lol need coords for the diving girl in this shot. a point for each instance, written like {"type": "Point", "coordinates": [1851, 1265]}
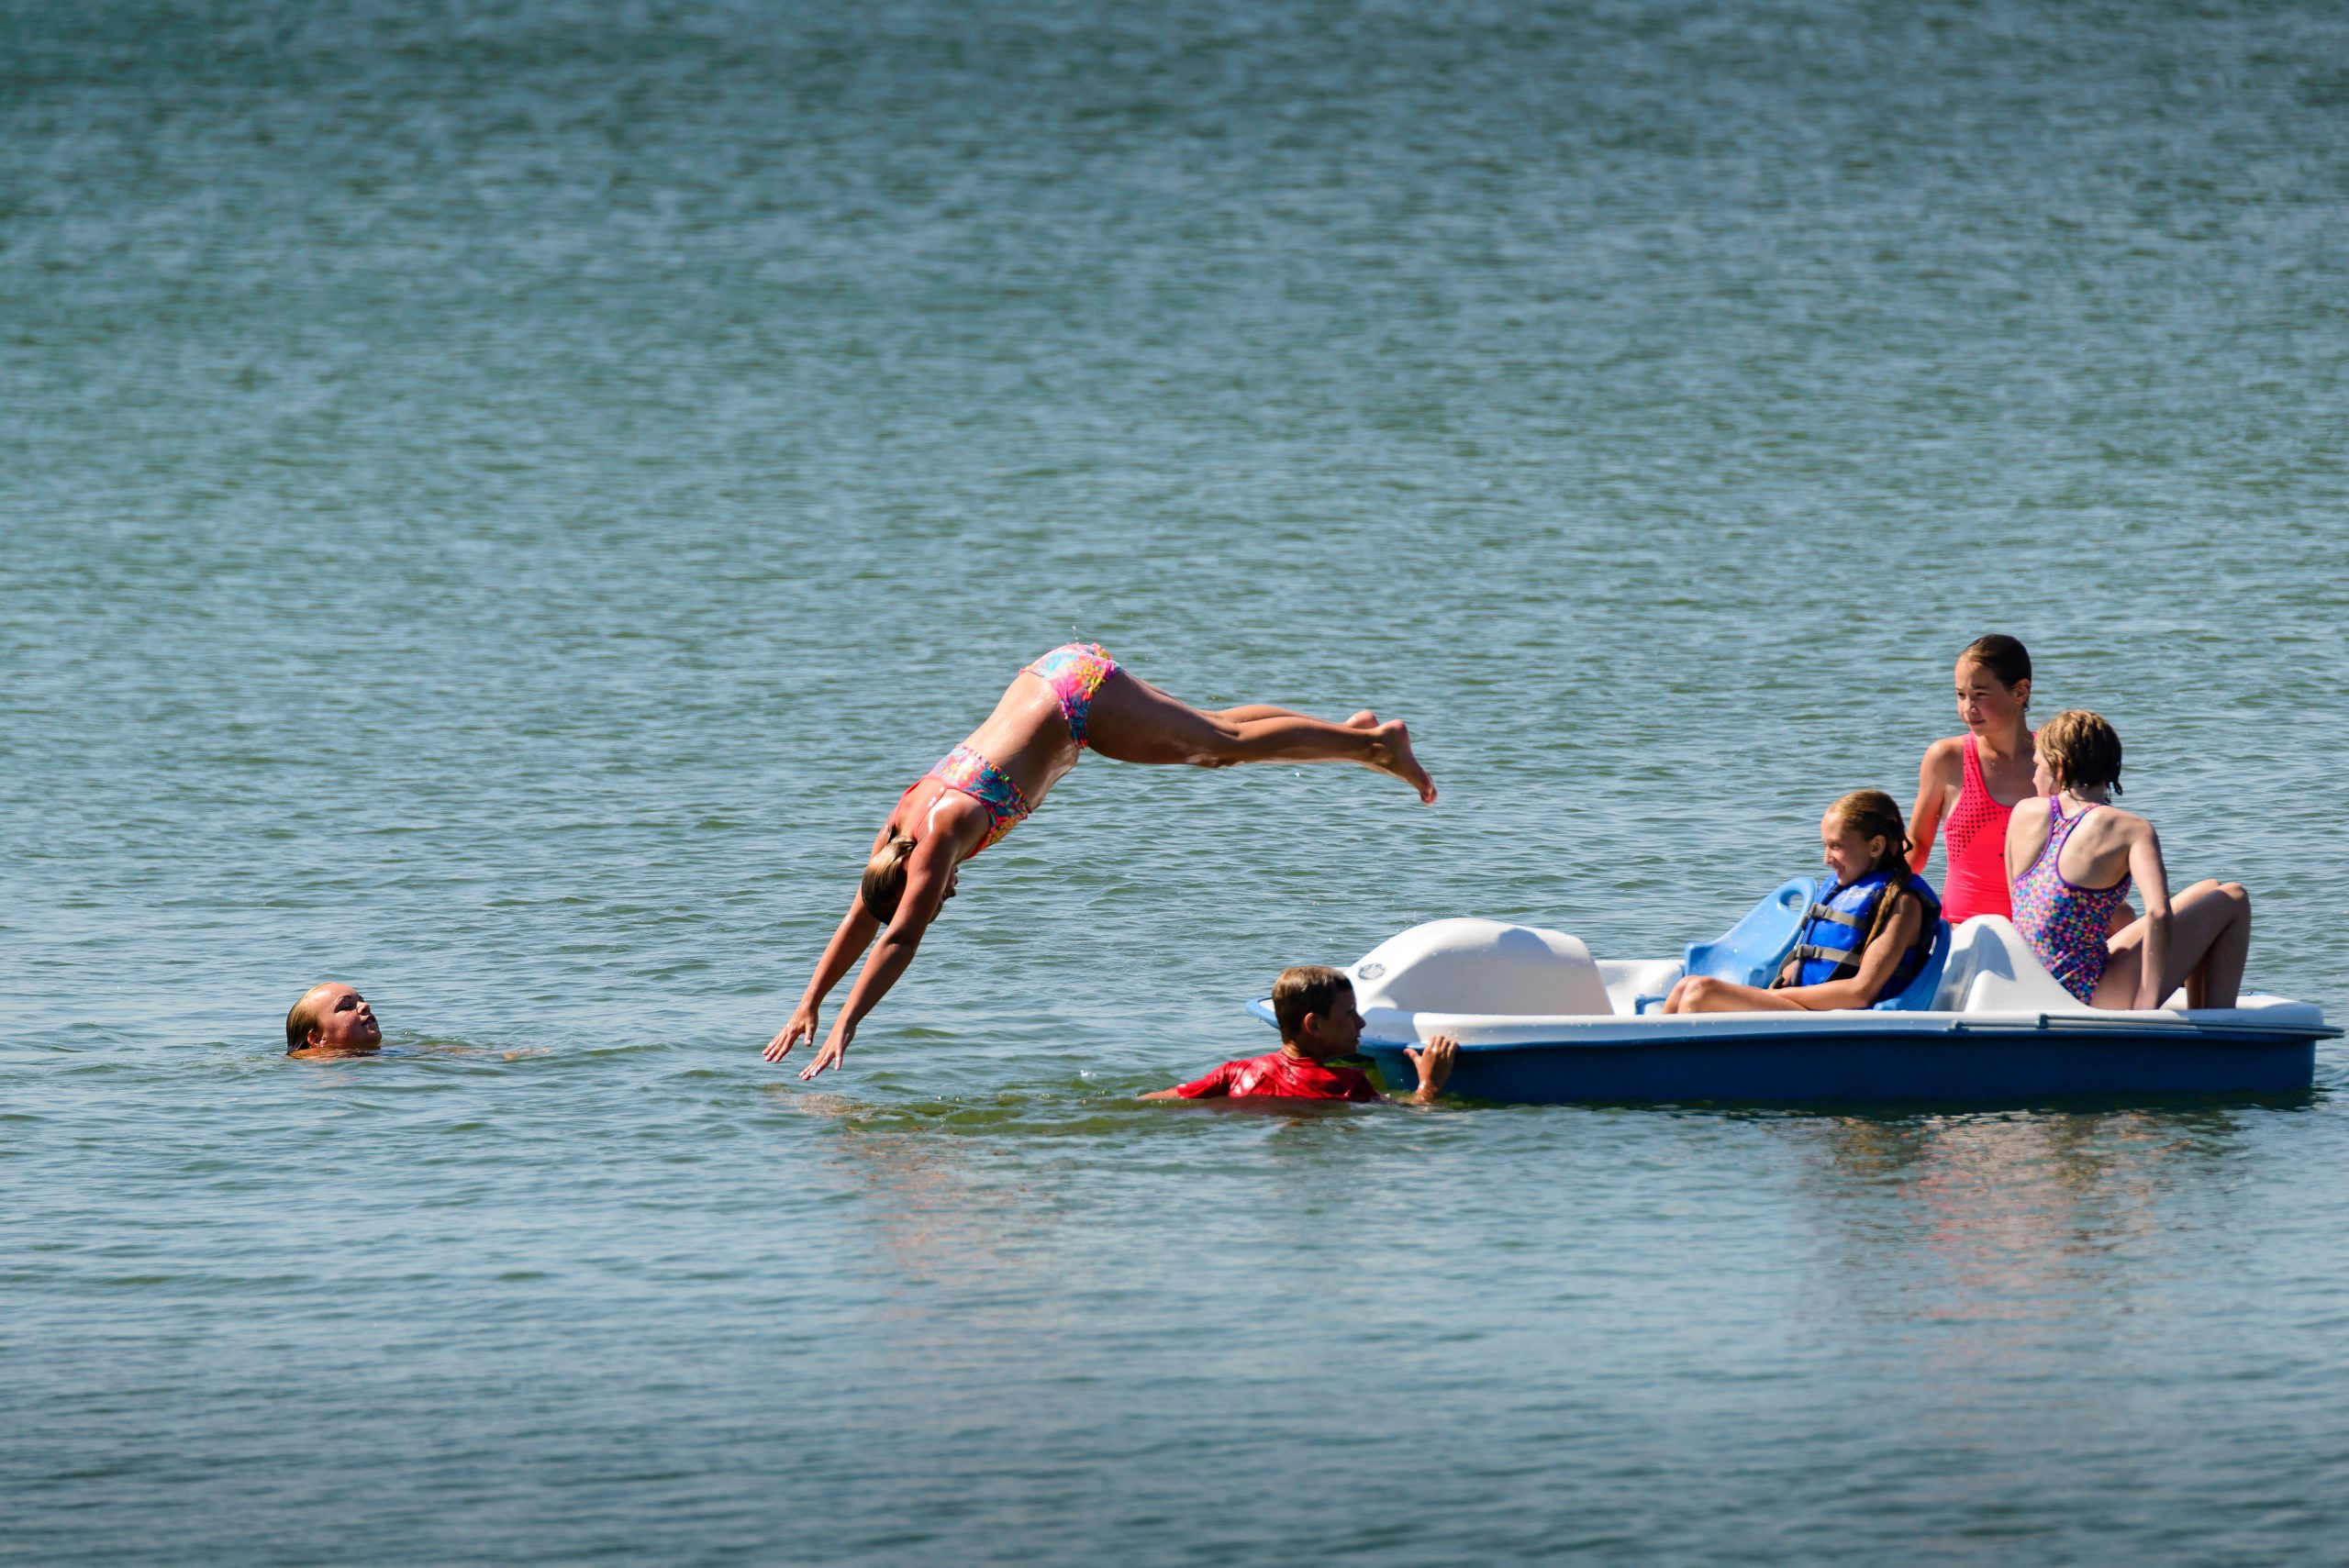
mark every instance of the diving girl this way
{"type": "Point", "coordinates": [1972, 782]}
{"type": "Point", "coordinates": [1864, 937]}
{"type": "Point", "coordinates": [2071, 857]}
{"type": "Point", "coordinates": [1072, 697]}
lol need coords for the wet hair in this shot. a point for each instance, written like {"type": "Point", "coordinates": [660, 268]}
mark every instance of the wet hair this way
{"type": "Point", "coordinates": [2081, 750]}
{"type": "Point", "coordinates": [2008, 661]}
{"type": "Point", "coordinates": [300, 1019]}
{"type": "Point", "coordinates": [884, 877]}
{"type": "Point", "coordinates": [1307, 990]}
{"type": "Point", "coordinates": [1871, 813]}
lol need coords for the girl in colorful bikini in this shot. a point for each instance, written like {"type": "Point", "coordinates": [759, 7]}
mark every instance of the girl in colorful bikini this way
{"type": "Point", "coordinates": [2071, 857]}
{"type": "Point", "coordinates": [1073, 698]}
{"type": "Point", "coordinates": [1973, 782]}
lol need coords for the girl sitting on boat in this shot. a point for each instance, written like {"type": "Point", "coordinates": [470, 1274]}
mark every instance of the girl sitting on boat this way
{"type": "Point", "coordinates": [1970, 783]}
{"type": "Point", "coordinates": [1864, 937]}
{"type": "Point", "coordinates": [2072, 856]}
{"type": "Point", "coordinates": [1072, 697]}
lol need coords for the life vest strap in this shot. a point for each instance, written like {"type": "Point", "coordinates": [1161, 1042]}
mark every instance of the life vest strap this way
{"type": "Point", "coordinates": [1833, 917]}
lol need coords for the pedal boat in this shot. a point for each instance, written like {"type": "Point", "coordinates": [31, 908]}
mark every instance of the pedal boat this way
{"type": "Point", "coordinates": [1541, 1022]}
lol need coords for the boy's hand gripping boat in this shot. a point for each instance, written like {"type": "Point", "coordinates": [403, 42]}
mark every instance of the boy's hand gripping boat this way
{"type": "Point", "coordinates": [1540, 1021]}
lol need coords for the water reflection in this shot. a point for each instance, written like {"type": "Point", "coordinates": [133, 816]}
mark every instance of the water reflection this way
{"type": "Point", "coordinates": [2029, 1220]}
{"type": "Point", "coordinates": [941, 1230]}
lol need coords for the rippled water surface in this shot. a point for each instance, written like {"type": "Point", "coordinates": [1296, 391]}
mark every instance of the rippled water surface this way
{"type": "Point", "coordinates": [498, 499]}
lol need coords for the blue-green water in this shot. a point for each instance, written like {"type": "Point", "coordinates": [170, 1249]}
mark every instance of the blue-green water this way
{"type": "Point", "coordinates": [498, 499]}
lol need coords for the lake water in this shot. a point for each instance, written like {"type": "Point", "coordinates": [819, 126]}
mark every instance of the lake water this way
{"type": "Point", "coordinates": [498, 499]}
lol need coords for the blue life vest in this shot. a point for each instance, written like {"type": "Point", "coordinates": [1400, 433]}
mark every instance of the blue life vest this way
{"type": "Point", "coordinates": [1836, 931]}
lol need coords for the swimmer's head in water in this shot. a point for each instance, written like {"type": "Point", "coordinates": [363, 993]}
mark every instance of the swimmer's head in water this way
{"type": "Point", "coordinates": [1864, 832]}
{"type": "Point", "coordinates": [884, 878]}
{"type": "Point", "coordinates": [332, 1019]}
{"type": "Point", "coordinates": [2078, 750]}
{"type": "Point", "coordinates": [1324, 994]}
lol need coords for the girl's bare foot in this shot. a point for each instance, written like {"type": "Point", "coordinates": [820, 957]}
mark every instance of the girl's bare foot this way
{"type": "Point", "coordinates": [1391, 753]}
{"type": "Point", "coordinates": [1365, 719]}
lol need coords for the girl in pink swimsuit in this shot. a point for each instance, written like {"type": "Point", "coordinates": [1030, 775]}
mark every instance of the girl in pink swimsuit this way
{"type": "Point", "coordinates": [1970, 783]}
{"type": "Point", "coordinates": [1074, 699]}
{"type": "Point", "coordinates": [2072, 855]}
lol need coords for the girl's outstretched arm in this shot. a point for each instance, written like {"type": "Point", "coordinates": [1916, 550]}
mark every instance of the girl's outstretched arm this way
{"type": "Point", "coordinates": [848, 943]}
{"type": "Point", "coordinates": [929, 876]}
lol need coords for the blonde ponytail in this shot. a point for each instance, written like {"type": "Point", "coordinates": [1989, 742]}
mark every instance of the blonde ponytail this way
{"type": "Point", "coordinates": [884, 877]}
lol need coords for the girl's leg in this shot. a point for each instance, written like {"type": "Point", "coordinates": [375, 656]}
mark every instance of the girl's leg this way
{"type": "Point", "coordinates": [2125, 957]}
{"type": "Point", "coordinates": [1365, 719]}
{"type": "Point", "coordinates": [1703, 994]}
{"type": "Point", "coordinates": [1133, 721]}
{"type": "Point", "coordinates": [2209, 937]}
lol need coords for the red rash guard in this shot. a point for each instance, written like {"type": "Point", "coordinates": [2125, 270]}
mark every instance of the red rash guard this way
{"type": "Point", "coordinates": [1281, 1076]}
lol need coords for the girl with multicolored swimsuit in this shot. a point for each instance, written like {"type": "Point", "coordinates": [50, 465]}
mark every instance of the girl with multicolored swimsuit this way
{"type": "Point", "coordinates": [2071, 856]}
{"type": "Point", "coordinates": [1074, 697]}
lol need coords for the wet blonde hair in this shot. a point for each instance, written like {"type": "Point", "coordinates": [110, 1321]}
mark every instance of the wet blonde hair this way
{"type": "Point", "coordinates": [884, 877]}
{"type": "Point", "coordinates": [1871, 813]}
{"type": "Point", "coordinates": [300, 1019]}
{"type": "Point", "coordinates": [2082, 750]}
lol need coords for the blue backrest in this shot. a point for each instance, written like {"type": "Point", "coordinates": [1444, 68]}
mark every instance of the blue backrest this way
{"type": "Point", "coordinates": [1916, 997]}
{"type": "Point", "coordinates": [1751, 952]}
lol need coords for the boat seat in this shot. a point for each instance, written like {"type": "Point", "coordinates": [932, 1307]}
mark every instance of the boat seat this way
{"type": "Point", "coordinates": [1639, 986]}
{"type": "Point", "coordinates": [1990, 968]}
{"type": "Point", "coordinates": [1923, 988]}
{"type": "Point", "coordinates": [1751, 952]}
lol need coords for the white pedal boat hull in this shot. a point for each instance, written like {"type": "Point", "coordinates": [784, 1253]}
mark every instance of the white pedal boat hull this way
{"type": "Point", "coordinates": [1540, 1021]}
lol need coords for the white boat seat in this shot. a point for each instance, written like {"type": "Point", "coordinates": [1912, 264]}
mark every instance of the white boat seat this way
{"type": "Point", "coordinates": [1992, 969]}
{"type": "Point", "coordinates": [1640, 984]}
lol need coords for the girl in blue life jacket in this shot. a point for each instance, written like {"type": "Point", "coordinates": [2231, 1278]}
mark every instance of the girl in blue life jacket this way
{"type": "Point", "coordinates": [1865, 938]}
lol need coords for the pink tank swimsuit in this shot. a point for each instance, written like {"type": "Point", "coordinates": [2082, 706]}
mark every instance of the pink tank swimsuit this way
{"type": "Point", "coordinates": [1976, 835]}
{"type": "Point", "coordinates": [2064, 922]}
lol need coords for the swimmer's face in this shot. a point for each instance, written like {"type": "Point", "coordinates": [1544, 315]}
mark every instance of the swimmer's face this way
{"type": "Point", "coordinates": [1848, 853]}
{"type": "Point", "coordinates": [1339, 1031]}
{"type": "Point", "coordinates": [346, 1025]}
{"type": "Point", "coordinates": [1984, 702]}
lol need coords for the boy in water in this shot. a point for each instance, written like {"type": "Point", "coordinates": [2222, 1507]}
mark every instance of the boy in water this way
{"type": "Point", "coordinates": [331, 1020]}
{"type": "Point", "coordinates": [1315, 1007]}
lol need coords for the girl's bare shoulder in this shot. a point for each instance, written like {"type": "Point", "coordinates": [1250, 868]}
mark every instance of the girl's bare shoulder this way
{"type": "Point", "coordinates": [1946, 760]}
